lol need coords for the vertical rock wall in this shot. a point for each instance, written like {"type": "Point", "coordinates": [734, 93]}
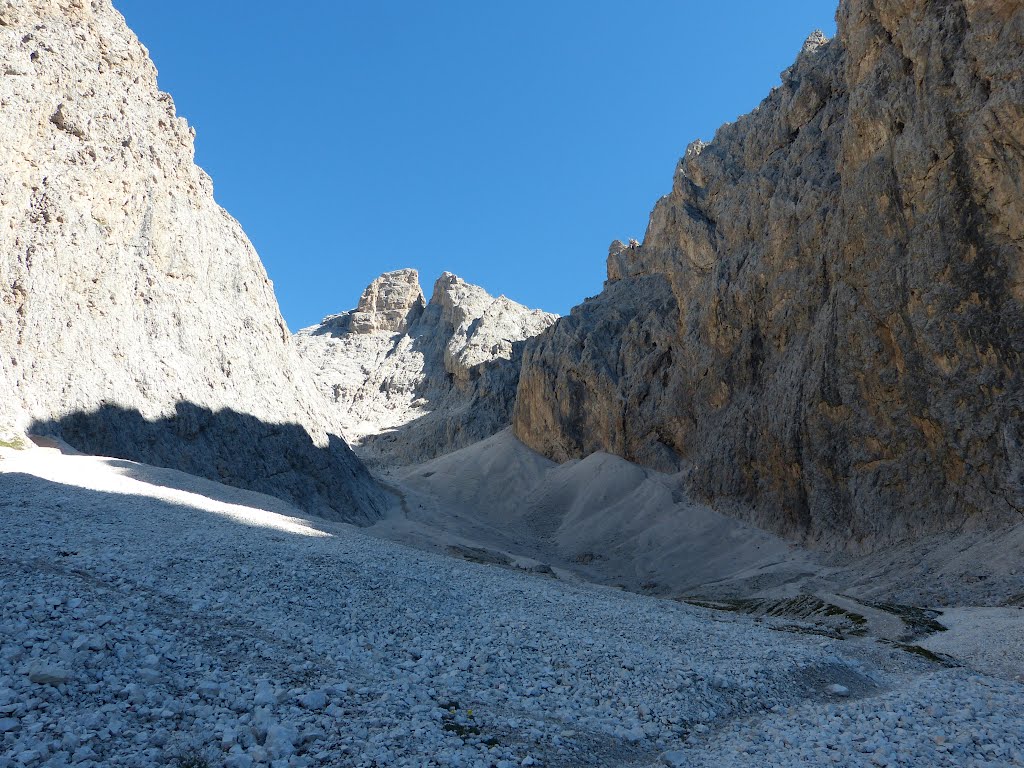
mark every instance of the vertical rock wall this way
{"type": "Point", "coordinates": [135, 317]}
{"type": "Point", "coordinates": [845, 362]}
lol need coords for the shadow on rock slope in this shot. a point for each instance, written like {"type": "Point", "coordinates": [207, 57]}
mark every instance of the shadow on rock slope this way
{"type": "Point", "coordinates": [233, 448]}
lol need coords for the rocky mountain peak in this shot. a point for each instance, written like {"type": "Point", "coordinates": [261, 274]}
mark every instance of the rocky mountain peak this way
{"type": "Point", "coordinates": [450, 366]}
{"type": "Point", "coordinates": [390, 304]}
{"type": "Point", "coordinates": [136, 319]}
{"type": "Point", "coordinates": [814, 41]}
{"type": "Point", "coordinates": [449, 287]}
{"type": "Point", "coordinates": [459, 302]}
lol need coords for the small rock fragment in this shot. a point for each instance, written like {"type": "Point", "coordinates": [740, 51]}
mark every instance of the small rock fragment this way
{"type": "Point", "coordinates": [313, 700]}
{"type": "Point", "coordinates": [49, 675]}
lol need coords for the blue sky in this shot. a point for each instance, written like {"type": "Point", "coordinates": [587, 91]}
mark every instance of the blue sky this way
{"type": "Point", "coordinates": [508, 143]}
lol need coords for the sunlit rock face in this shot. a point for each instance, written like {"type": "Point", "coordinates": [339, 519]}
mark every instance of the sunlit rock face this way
{"type": "Point", "coordinates": [408, 380]}
{"type": "Point", "coordinates": [126, 292]}
{"type": "Point", "coordinates": [823, 325]}
{"type": "Point", "coordinates": [390, 304]}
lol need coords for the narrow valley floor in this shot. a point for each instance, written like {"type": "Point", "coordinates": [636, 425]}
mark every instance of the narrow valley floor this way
{"type": "Point", "coordinates": [148, 616]}
{"type": "Point", "coordinates": [607, 521]}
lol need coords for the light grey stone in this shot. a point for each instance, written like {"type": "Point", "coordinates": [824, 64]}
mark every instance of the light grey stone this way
{"type": "Point", "coordinates": [136, 319]}
{"type": "Point", "coordinates": [49, 675]}
{"type": "Point", "coordinates": [407, 380]}
{"type": "Point", "coordinates": [313, 700]}
{"type": "Point", "coordinates": [280, 741]}
{"type": "Point", "coordinates": [390, 304]}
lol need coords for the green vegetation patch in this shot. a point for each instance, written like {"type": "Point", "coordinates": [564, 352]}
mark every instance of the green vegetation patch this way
{"type": "Point", "coordinates": [191, 760]}
{"type": "Point", "coordinates": [919, 622]}
{"type": "Point", "coordinates": [17, 443]}
{"type": "Point", "coordinates": [924, 653]}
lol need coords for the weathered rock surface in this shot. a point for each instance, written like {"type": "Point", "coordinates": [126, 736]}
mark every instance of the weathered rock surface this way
{"type": "Point", "coordinates": [842, 362]}
{"type": "Point", "coordinates": [135, 316]}
{"type": "Point", "coordinates": [390, 304]}
{"type": "Point", "coordinates": [408, 380]}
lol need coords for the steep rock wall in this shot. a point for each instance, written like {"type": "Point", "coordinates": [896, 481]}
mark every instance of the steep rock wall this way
{"type": "Point", "coordinates": [135, 317]}
{"type": "Point", "coordinates": [847, 264]}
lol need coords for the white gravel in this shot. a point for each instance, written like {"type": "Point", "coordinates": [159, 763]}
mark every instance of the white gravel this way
{"type": "Point", "coordinates": [991, 639]}
{"type": "Point", "coordinates": [141, 622]}
{"type": "Point", "coordinates": [943, 719]}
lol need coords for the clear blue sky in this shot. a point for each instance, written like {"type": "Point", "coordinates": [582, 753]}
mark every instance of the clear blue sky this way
{"type": "Point", "coordinates": [507, 142]}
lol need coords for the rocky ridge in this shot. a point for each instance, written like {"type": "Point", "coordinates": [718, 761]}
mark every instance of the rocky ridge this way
{"type": "Point", "coordinates": [405, 379]}
{"type": "Point", "coordinates": [824, 326]}
{"type": "Point", "coordinates": [136, 319]}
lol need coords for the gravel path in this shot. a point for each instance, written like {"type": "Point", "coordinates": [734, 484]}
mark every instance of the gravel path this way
{"type": "Point", "coordinates": [141, 623]}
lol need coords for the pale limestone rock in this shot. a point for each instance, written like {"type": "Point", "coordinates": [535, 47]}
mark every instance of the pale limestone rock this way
{"type": "Point", "coordinates": [135, 317]}
{"type": "Point", "coordinates": [842, 357]}
{"type": "Point", "coordinates": [389, 304]}
{"type": "Point", "coordinates": [411, 382]}
{"type": "Point", "coordinates": [12, 419]}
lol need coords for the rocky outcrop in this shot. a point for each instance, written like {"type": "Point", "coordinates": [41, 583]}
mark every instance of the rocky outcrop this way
{"type": "Point", "coordinates": [407, 381]}
{"type": "Point", "coordinates": [135, 316]}
{"type": "Point", "coordinates": [842, 361]}
{"type": "Point", "coordinates": [390, 304]}
{"type": "Point", "coordinates": [614, 348]}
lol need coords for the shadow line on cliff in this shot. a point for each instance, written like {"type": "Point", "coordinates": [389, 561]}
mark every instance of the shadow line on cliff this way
{"type": "Point", "coordinates": [231, 448]}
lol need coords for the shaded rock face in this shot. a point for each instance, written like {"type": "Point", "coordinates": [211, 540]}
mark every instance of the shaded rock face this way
{"type": "Point", "coordinates": [407, 381]}
{"type": "Point", "coordinates": [125, 289]}
{"type": "Point", "coordinates": [230, 447]}
{"type": "Point", "coordinates": [615, 348]}
{"type": "Point", "coordinates": [846, 262]}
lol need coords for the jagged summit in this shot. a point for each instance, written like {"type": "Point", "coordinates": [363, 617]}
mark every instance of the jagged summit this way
{"type": "Point", "coordinates": [391, 303]}
{"type": "Point", "coordinates": [407, 379]}
{"type": "Point", "coordinates": [814, 41]}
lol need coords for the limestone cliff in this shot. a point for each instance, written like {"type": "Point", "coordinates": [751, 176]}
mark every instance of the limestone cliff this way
{"type": "Point", "coordinates": [407, 380]}
{"type": "Point", "coordinates": [824, 325]}
{"type": "Point", "coordinates": [135, 317]}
